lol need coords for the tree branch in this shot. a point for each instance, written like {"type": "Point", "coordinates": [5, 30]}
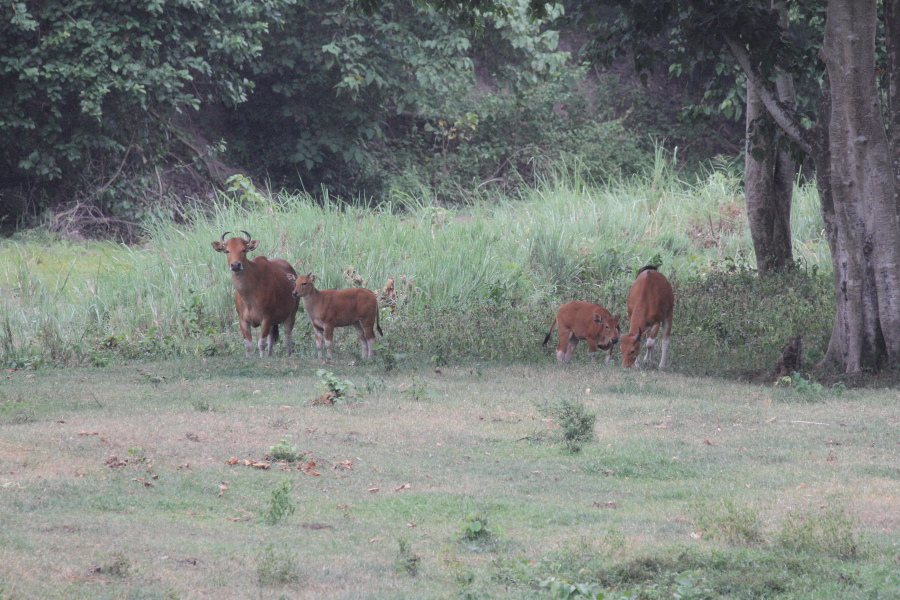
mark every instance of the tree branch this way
{"type": "Point", "coordinates": [782, 115]}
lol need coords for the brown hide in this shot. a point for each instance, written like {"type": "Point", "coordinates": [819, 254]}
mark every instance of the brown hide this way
{"type": "Point", "coordinates": [650, 305]}
{"type": "Point", "coordinates": [262, 294]}
{"type": "Point", "coordinates": [584, 321]}
{"type": "Point", "coordinates": [327, 309]}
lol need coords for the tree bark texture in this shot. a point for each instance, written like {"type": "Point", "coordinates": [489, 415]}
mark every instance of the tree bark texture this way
{"type": "Point", "coordinates": [861, 214]}
{"type": "Point", "coordinates": [768, 187]}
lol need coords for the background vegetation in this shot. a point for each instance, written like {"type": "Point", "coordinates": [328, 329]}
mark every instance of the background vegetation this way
{"type": "Point", "coordinates": [115, 113]}
{"type": "Point", "coordinates": [481, 283]}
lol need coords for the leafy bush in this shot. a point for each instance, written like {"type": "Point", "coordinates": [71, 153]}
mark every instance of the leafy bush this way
{"type": "Point", "coordinates": [283, 450]}
{"type": "Point", "coordinates": [576, 423]}
{"type": "Point", "coordinates": [280, 505]}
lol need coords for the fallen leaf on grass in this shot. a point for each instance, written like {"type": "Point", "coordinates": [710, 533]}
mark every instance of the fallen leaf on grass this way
{"type": "Point", "coordinates": [142, 481]}
{"type": "Point", "coordinates": [372, 490]}
{"type": "Point", "coordinates": [308, 468]}
{"type": "Point", "coordinates": [697, 534]}
{"type": "Point", "coordinates": [113, 462]}
{"type": "Point", "coordinates": [405, 486]}
{"type": "Point", "coordinates": [708, 443]}
{"type": "Point", "coordinates": [343, 464]}
{"type": "Point", "coordinates": [88, 433]}
{"type": "Point", "coordinates": [315, 526]}
{"type": "Point", "coordinates": [244, 516]}
{"type": "Point", "coordinates": [222, 487]}
{"type": "Point", "coordinates": [605, 505]}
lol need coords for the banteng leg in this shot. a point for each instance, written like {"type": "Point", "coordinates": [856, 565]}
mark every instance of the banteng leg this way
{"type": "Point", "coordinates": [651, 343]}
{"type": "Point", "coordinates": [664, 342]}
{"type": "Point", "coordinates": [319, 332]}
{"type": "Point", "coordinates": [369, 335]}
{"type": "Point", "coordinates": [363, 342]}
{"type": "Point", "coordinates": [571, 342]}
{"type": "Point", "coordinates": [266, 338]}
{"type": "Point", "coordinates": [329, 334]}
{"type": "Point", "coordinates": [248, 337]}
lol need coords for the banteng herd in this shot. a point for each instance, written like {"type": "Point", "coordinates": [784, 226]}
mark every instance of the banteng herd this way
{"type": "Point", "coordinates": [267, 294]}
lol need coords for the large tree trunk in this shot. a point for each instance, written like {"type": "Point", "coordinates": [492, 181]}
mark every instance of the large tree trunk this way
{"type": "Point", "coordinates": [769, 173]}
{"type": "Point", "coordinates": [860, 208]}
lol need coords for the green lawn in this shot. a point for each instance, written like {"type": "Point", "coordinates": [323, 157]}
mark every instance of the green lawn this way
{"type": "Point", "coordinates": [447, 483]}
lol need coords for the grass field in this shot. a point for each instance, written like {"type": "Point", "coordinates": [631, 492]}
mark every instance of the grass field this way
{"type": "Point", "coordinates": [454, 482]}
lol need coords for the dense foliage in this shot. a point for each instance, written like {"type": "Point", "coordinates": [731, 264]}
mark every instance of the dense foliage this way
{"type": "Point", "coordinates": [92, 89]}
{"type": "Point", "coordinates": [130, 109]}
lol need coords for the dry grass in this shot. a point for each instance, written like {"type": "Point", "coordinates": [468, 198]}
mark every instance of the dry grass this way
{"type": "Point", "coordinates": [176, 521]}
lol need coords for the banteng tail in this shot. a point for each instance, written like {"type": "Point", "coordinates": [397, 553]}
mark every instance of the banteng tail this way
{"type": "Point", "coordinates": [378, 320]}
{"type": "Point", "coordinates": [549, 333]}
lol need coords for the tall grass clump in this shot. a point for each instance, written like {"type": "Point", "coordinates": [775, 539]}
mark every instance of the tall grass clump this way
{"type": "Point", "coordinates": [497, 266]}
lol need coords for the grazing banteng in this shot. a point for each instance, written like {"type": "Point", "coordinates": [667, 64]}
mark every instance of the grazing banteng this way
{"type": "Point", "coordinates": [584, 321]}
{"type": "Point", "coordinates": [650, 304]}
{"type": "Point", "coordinates": [262, 293]}
{"type": "Point", "coordinates": [328, 309]}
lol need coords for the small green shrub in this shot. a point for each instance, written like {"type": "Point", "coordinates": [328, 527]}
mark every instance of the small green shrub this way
{"type": "Point", "coordinates": [274, 568]}
{"type": "Point", "coordinates": [407, 561]}
{"type": "Point", "coordinates": [284, 450]}
{"type": "Point", "coordinates": [576, 423]}
{"type": "Point", "coordinates": [419, 390]}
{"type": "Point", "coordinates": [336, 389]}
{"type": "Point", "coordinates": [475, 528]}
{"type": "Point", "coordinates": [280, 505]}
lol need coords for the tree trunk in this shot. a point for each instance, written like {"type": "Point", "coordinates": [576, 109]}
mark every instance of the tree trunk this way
{"type": "Point", "coordinates": [768, 186]}
{"type": "Point", "coordinates": [860, 208]}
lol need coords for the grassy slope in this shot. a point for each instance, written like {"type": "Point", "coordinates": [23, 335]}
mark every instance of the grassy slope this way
{"type": "Point", "coordinates": [716, 489]}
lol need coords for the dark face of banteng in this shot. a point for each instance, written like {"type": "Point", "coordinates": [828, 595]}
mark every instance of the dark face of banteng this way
{"type": "Point", "coordinates": [236, 250]}
{"type": "Point", "coordinates": [303, 284]}
{"type": "Point", "coordinates": [631, 347]}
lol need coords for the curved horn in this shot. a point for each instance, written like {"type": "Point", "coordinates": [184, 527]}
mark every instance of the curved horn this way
{"type": "Point", "coordinates": [224, 234]}
{"type": "Point", "coordinates": [247, 234]}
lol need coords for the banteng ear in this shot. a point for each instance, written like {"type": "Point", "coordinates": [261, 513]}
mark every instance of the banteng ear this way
{"type": "Point", "coordinates": [312, 277]}
{"type": "Point", "coordinates": [291, 277]}
{"type": "Point", "coordinates": [219, 246]}
{"type": "Point", "coordinates": [640, 333]}
{"type": "Point", "coordinates": [252, 244]}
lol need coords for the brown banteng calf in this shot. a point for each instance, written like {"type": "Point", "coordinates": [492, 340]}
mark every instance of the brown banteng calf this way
{"type": "Point", "coordinates": [262, 293]}
{"type": "Point", "coordinates": [584, 321]}
{"type": "Point", "coordinates": [327, 309]}
{"type": "Point", "coordinates": [650, 305]}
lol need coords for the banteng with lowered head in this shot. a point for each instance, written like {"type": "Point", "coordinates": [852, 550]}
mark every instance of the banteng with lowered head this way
{"type": "Point", "coordinates": [262, 293]}
{"type": "Point", "coordinates": [584, 321]}
{"type": "Point", "coordinates": [327, 309]}
{"type": "Point", "coordinates": [650, 304]}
